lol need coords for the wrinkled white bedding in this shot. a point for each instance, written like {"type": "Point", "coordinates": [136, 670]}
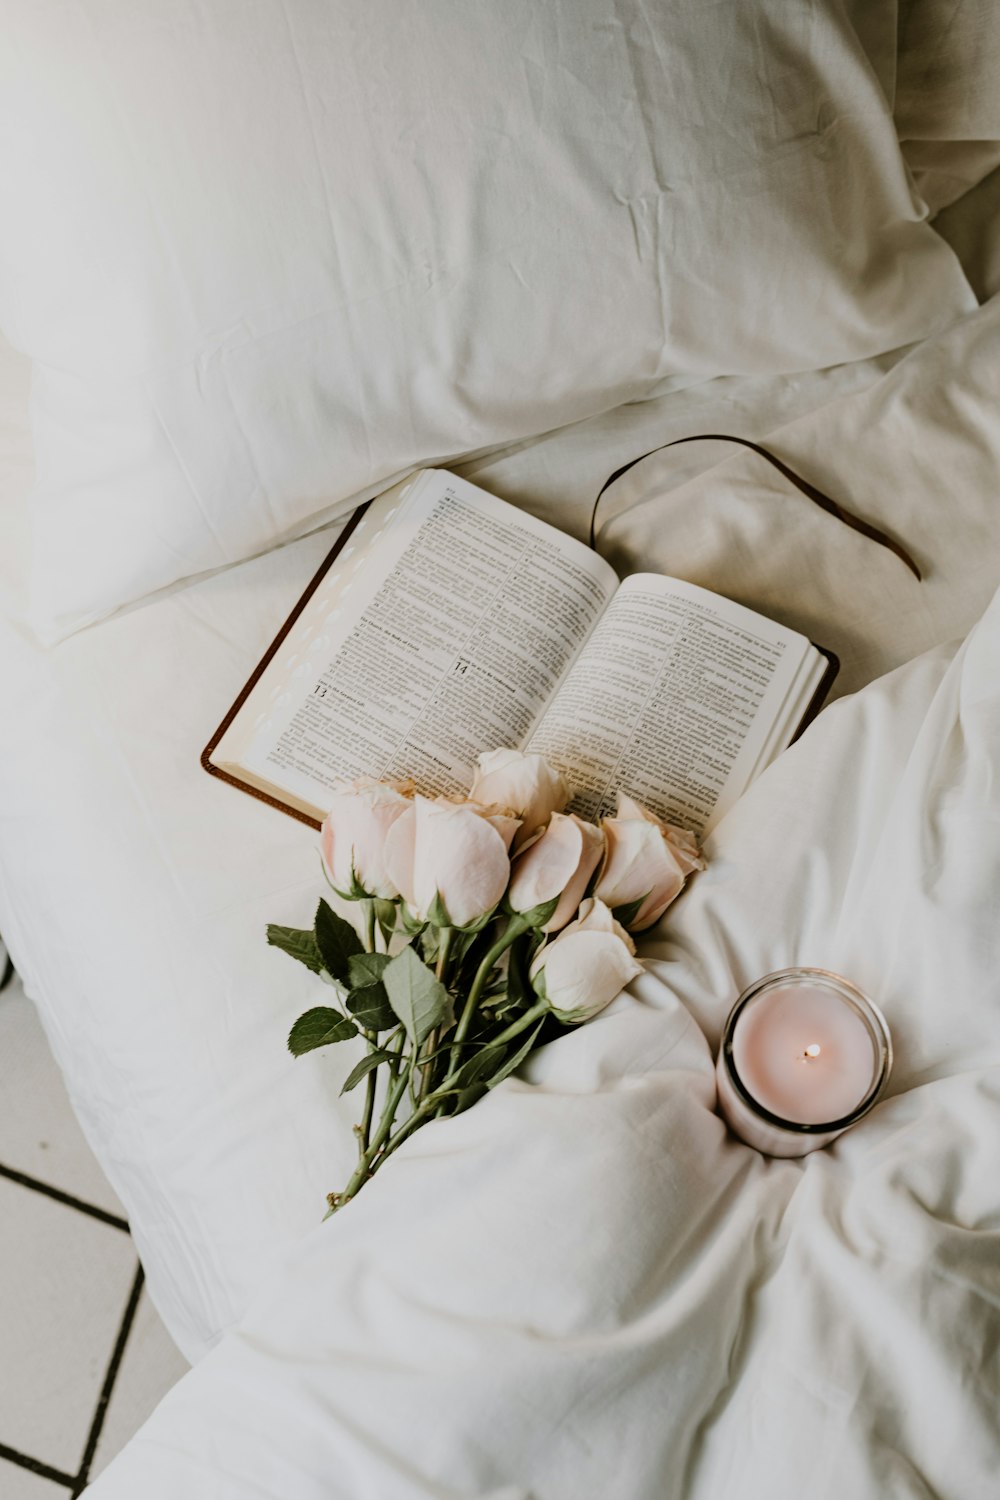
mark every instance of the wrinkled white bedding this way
{"type": "Point", "coordinates": [168, 1013]}
{"type": "Point", "coordinates": [582, 1287]}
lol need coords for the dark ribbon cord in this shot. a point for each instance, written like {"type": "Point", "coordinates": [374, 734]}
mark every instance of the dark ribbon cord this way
{"type": "Point", "coordinates": [809, 490]}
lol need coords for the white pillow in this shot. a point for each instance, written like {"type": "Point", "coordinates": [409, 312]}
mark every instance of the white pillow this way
{"type": "Point", "coordinates": [265, 257]}
{"type": "Point", "coordinates": [947, 102]}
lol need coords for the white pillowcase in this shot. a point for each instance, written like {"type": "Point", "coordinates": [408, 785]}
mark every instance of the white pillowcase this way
{"type": "Point", "coordinates": [267, 256]}
{"type": "Point", "coordinates": [947, 98]}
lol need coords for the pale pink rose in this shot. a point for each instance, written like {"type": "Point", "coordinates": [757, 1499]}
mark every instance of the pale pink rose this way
{"type": "Point", "coordinates": [352, 839]}
{"type": "Point", "coordinates": [525, 784]}
{"type": "Point", "coordinates": [559, 863]}
{"type": "Point", "coordinates": [501, 818]}
{"type": "Point", "coordinates": [682, 841]}
{"type": "Point", "coordinates": [452, 851]}
{"type": "Point", "coordinates": [646, 861]}
{"type": "Point", "coordinates": [586, 966]}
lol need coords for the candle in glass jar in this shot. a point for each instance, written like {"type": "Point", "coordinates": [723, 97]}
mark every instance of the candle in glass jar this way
{"type": "Point", "coordinates": [804, 1055]}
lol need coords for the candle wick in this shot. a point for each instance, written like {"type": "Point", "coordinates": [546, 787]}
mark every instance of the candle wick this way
{"type": "Point", "coordinates": [813, 1050]}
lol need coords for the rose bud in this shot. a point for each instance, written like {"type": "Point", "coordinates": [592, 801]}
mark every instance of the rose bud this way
{"type": "Point", "coordinates": [559, 864]}
{"type": "Point", "coordinates": [449, 861]}
{"type": "Point", "coordinates": [586, 966]}
{"type": "Point", "coordinates": [645, 865]}
{"type": "Point", "coordinates": [352, 839]}
{"type": "Point", "coordinates": [526, 784]}
{"type": "Point", "coordinates": [502, 820]}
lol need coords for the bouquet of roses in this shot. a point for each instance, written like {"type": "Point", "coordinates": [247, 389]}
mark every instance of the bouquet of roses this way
{"type": "Point", "coordinates": [476, 924]}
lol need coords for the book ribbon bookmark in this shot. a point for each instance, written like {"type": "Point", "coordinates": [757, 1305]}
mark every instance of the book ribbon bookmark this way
{"type": "Point", "coordinates": [809, 490]}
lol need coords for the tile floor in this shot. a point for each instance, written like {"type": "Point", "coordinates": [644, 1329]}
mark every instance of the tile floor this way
{"type": "Point", "coordinates": [83, 1355]}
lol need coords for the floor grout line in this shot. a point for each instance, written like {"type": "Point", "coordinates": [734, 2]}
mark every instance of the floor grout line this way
{"type": "Point", "coordinates": [35, 1466]}
{"type": "Point", "coordinates": [38, 1186]}
{"type": "Point", "coordinates": [114, 1364]}
{"type": "Point", "coordinates": [98, 1434]}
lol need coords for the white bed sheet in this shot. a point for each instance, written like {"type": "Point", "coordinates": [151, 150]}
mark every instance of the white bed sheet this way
{"type": "Point", "coordinates": [585, 1287]}
{"type": "Point", "coordinates": [134, 890]}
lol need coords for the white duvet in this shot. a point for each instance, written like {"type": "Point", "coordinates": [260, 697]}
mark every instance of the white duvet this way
{"type": "Point", "coordinates": [583, 1287]}
{"type": "Point", "coordinates": [134, 889]}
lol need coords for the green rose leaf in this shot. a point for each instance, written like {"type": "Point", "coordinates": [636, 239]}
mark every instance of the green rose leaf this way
{"type": "Point", "coordinates": [368, 1001]}
{"type": "Point", "coordinates": [371, 1009]}
{"type": "Point", "coordinates": [318, 1028]}
{"type": "Point", "coordinates": [366, 968]}
{"type": "Point", "coordinates": [515, 1059]}
{"type": "Point", "coordinates": [336, 941]}
{"type": "Point", "coordinates": [466, 1098]}
{"type": "Point", "coordinates": [363, 1068]}
{"type": "Point", "coordinates": [477, 1069]}
{"type": "Point", "coordinates": [297, 942]}
{"type": "Point", "coordinates": [493, 1064]}
{"type": "Point", "coordinates": [418, 999]}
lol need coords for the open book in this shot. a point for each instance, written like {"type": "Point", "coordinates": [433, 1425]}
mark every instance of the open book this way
{"type": "Point", "coordinates": [446, 622]}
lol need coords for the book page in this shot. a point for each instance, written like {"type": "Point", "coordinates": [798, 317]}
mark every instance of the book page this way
{"type": "Point", "coordinates": [672, 701]}
{"type": "Point", "coordinates": [443, 637]}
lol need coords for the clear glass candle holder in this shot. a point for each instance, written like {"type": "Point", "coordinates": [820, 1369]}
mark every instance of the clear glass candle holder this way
{"type": "Point", "coordinates": [780, 1012]}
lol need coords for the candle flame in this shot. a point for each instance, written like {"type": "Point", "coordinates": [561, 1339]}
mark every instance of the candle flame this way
{"type": "Point", "coordinates": [813, 1050]}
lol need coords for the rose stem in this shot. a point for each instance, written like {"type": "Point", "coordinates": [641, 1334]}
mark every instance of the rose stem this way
{"type": "Point", "coordinates": [513, 930]}
{"type": "Point", "coordinates": [429, 1105]}
{"type": "Point", "coordinates": [431, 1044]}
